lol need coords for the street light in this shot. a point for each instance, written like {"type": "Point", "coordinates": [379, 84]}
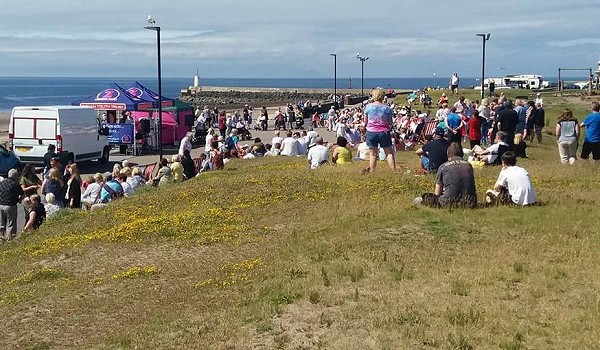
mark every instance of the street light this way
{"type": "Point", "coordinates": [334, 78]}
{"type": "Point", "coordinates": [152, 26]}
{"type": "Point", "coordinates": [362, 72]}
{"type": "Point", "coordinates": [484, 37]}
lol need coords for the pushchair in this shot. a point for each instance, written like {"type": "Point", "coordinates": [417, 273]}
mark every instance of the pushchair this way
{"type": "Point", "coordinates": [244, 134]}
{"type": "Point", "coordinates": [299, 121]}
{"type": "Point", "coordinates": [200, 134]}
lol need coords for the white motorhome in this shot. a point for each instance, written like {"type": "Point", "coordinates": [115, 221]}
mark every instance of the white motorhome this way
{"type": "Point", "coordinates": [525, 81]}
{"type": "Point", "coordinates": [74, 130]}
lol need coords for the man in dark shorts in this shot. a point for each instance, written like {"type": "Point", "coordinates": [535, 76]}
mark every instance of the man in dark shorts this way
{"type": "Point", "coordinates": [454, 184]}
{"type": "Point", "coordinates": [434, 153]}
{"type": "Point", "coordinates": [591, 143]}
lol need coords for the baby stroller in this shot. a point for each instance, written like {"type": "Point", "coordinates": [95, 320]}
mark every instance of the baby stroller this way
{"type": "Point", "coordinates": [244, 134]}
{"type": "Point", "coordinates": [299, 121]}
{"type": "Point", "coordinates": [200, 133]}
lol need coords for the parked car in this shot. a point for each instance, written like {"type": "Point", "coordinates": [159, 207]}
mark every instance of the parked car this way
{"type": "Point", "coordinates": [8, 160]}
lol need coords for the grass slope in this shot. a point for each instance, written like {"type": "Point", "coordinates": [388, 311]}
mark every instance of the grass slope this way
{"type": "Point", "coordinates": [268, 254]}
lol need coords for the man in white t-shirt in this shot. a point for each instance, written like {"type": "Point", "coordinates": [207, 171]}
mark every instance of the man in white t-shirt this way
{"type": "Point", "coordinates": [289, 145]}
{"type": "Point", "coordinates": [310, 137]}
{"type": "Point", "coordinates": [318, 154]}
{"type": "Point", "coordinates": [513, 185]}
{"type": "Point", "coordinates": [276, 139]}
{"type": "Point", "coordinates": [302, 143]}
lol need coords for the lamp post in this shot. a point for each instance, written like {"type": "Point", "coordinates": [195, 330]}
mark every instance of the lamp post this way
{"type": "Point", "coordinates": [362, 72]}
{"type": "Point", "coordinates": [485, 37]}
{"type": "Point", "coordinates": [334, 78]}
{"type": "Point", "coordinates": [152, 26]}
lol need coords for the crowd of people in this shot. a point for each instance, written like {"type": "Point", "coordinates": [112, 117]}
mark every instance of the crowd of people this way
{"type": "Point", "coordinates": [496, 131]}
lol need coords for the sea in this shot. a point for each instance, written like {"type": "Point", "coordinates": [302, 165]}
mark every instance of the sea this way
{"type": "Point", "coordinates": [46, 91]}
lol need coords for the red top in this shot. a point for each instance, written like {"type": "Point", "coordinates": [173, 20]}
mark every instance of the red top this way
{"type": "Point", "coordinates": [474, 129]}
{"type": "Point", "coordinates": [221, 122]}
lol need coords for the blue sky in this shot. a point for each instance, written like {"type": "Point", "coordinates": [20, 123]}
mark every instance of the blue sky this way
{"type": "Point", "coordinates": [281, 39]}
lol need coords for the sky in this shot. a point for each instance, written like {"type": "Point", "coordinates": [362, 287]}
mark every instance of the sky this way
{"type": "Point", "coordinates": [293, 39]}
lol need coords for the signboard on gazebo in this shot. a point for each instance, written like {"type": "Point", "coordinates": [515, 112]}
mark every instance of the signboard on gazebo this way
{"type": "Point", "coordinates": [120, 133]}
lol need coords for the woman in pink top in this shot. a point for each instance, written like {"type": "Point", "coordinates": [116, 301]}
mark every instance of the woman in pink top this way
{"type": "Point", "coordinates": [378, 120]}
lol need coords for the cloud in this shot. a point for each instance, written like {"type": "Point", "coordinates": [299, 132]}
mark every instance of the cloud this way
{"type": "Point", "coordinates": [574, 42]}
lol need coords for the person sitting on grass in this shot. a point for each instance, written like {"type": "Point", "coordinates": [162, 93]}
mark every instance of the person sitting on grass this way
{"type": "Point", "coordinates": [189, 169]}
{"type": "Point", "coordinates": [176, 168]}
{"type": "Point", "coordinates": [493, 154]}
{"type": "Point", "coordinates": [165, 174]}
{"type": "Point", "coordinates": [454, 183]}
{"type": "Point", "coordinates": [520, 146]}
{"type": "Point", "coordinates": [37, 214]}
{"type": "Point", "coordinates": [341, 154]}
{"type": "Point", "coordinates": [513, 185]}
{"type": "Point", "coordinates": [50, 207]}
{"type": "Point", "coordinates": [318, 154]}
{"type": "Point", "coordinates": [92, 192]}
{"type": "Point", "coordinates": [434, 153]}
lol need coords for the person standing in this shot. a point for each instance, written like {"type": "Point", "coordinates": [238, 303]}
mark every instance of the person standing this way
{"type": "Point", "coordinates": [475, 129]}
{"type": "Point", "coordinates": [506, 121]}
{"type": "Point", "coordinates": [50, 154]}
{"type": "Point", "coordinates": [186, 142]}
{"type": "Point", "coordinates": [11, 194]}
{"type": "Point", "coordinates": [591, 143]}
{"type": "Point", "coordinates": [222, 123]}
{"type": "Point", "coordinates": [455, 125]}
{"type": "Point", "coordinates": [567, 135]}
{"type": "Point", "coordinates": [522, 117]}
{"type": "Point", "coordinates": [378, 119]}
{"type": "Point", "coordinates": [73, 192]}
{"type": "Point", "coordinates": [454, 81]}
{"type": "Point", "coordinates": [492, 87]}
{"type": "Point", "coordinates": [540, 122]}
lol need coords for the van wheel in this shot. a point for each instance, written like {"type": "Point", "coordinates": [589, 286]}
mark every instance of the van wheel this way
{"type": "Point", "coordinates": [105, 155]}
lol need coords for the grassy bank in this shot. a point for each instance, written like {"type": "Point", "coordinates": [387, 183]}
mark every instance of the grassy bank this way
{"type": "Point", "coordinates": [268, 254]}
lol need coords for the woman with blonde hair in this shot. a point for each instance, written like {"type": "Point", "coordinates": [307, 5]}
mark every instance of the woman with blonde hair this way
{"type": "Point", "coordinates": [378, 119]}
{"type": "Point", "coordinates": [176, 168]}
{"type": "Point", "coordinates": [54, 184]}
{"type": "Point", "coordinates": [73, 193]}
{"type": "Point", "coordinates": [567, 136]}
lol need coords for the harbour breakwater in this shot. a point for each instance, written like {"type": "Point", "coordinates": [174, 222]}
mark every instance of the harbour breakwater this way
{"type": "Point", "coordinates": [239, 96]}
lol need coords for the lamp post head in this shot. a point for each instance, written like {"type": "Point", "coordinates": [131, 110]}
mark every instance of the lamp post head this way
{"type": "Point", "coordinates": [333, 54]}
{"type": "Point", "coordinates": [484, 36]}
{"type": "Point", "coordinates": [152, 24]}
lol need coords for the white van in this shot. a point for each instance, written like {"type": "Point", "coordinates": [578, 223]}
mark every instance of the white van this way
{"type": "Point", "coordinates": [72, 129]}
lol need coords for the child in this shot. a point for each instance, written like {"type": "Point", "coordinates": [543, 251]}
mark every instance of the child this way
{"type": "Point", "coordinates": [520, 146]}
